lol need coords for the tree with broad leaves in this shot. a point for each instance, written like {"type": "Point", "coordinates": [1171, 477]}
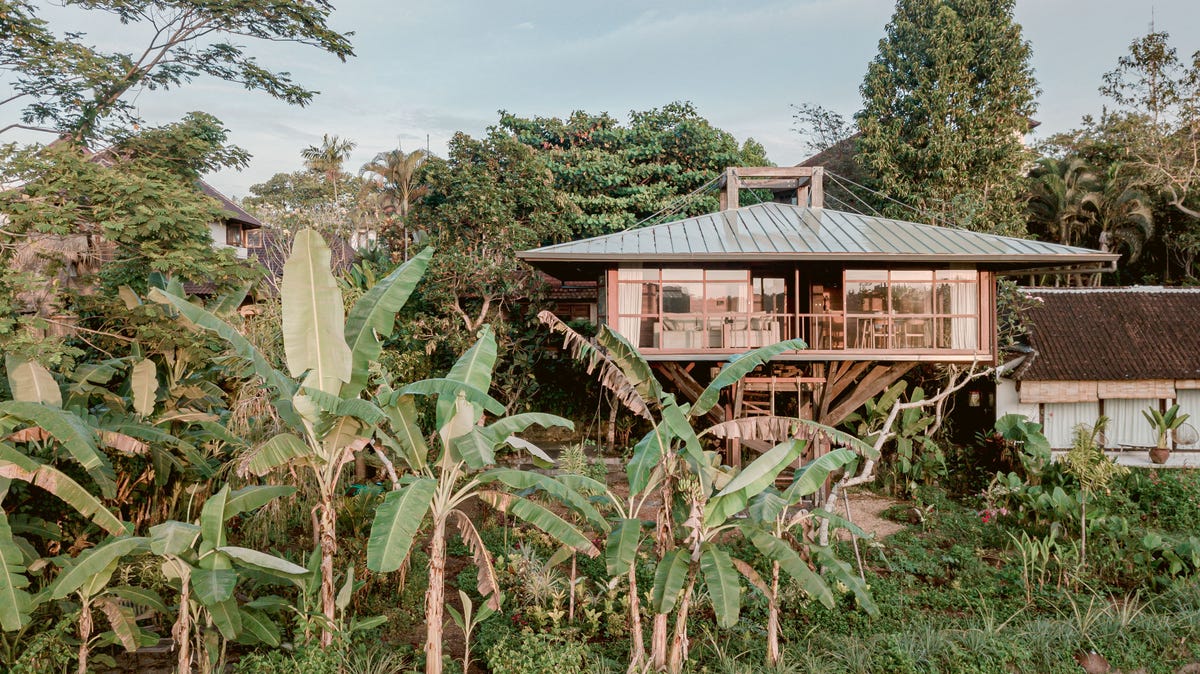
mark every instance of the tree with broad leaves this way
{"type": "Point", "coordinates": [945, 103]}
{"type": "Point", "coordinates": [1158, 121]}
{"type": "Point", "coordinates": [618, 174]}
{"type": "Point", "coordinates": [67, 86]}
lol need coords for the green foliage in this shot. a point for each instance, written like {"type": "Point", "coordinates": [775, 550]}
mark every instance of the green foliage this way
{"type": "Point", "coordinates": [528, 652]}
{"type": "Point", "coordinates": [945, 102]}
{"type": "Point", "coordinates": [617, 175]}
{"type": "Point", "coordinates": [76, 88]}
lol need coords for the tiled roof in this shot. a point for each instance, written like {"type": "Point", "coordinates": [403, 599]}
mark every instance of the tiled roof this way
{"type": "Point", "coordinates": [232, 210]}
{"type": "Point", "coordinates": [1114, 334]}
{"type": "Point", "coordinates": [773, 231]}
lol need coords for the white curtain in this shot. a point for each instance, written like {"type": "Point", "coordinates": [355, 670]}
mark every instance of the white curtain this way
{"type": "Point", "coordinates": [1062, 418]}
{"type": "Point", "coordinates": [964, 332]}
{"type": "Point", "coordinates": [629, 301]}
{"type": "Point", "coordinates": [1126, 425]}
{"type": "Point", "coordinates": [1189, 403]}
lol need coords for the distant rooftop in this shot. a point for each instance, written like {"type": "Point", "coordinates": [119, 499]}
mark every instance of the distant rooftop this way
{"type": "Point", "coordinates": [1113, 334]}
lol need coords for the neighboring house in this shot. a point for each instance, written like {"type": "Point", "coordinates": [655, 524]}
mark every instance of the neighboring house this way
{"type": "Point", "coordinates": [1111, 352]}
{"type": "Point", "coordinates": [871, 297]}
{"type": "Point", "coordinates": [239, 230]}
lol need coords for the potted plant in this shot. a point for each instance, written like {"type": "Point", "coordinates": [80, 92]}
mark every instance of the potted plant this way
{"type": "Point", "coordinates": [1163, 423]}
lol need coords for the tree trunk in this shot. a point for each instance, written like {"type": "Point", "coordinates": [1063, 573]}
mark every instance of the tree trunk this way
{"type": "Point", "coordinates": [658, 643]}
{"type": "Point", "coordinates": [328, 521]}
{"type": "Point", "coordinates": [773, 619]}
{"type": "Point", "coordinates": [360, 466]}
{"type": "Point", "coordinates": [611, 432]}
{"type": "Point", "coordinates": [85, 635]}
{"type": "Point", "coordinates": [637, 649]}
{"type": "Point", "coordinates": [679, 645]}
{"type": "Point", "coordinates": [434, 598]}
{"type": "Point", "coordinates": [181, 632]}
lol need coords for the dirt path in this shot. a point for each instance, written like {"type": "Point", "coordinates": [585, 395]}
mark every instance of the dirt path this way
{"type": "Point", "coordinates": [866, 511]}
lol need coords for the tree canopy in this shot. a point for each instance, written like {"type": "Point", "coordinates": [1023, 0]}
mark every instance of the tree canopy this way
{"type": "Point", "coordinates": [620, 174]}
{"type": "Point", "coordinates": [65, 85]}
{"type": "Point", "coordinates": [946, 101]}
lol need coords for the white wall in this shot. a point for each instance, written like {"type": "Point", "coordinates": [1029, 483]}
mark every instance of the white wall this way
{"type": "Point", "coordinates": [217, 230]}
{"type": "Point", "coordinates": [1008, 401]}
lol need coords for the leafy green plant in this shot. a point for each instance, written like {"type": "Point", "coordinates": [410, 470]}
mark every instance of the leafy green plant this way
{"type": "Point", "coordinates": [527, 652]}
{"type": "Point", "coordinates": [1164, 422]}
{"type": "Point", "coordinates": [1094, 470]}
{"type": "Point", "coordinates": [328, 354]}
{"type": "Point", "coordinates": [698, 499]}
{"type": "Point", "coordinates": [467, 621]}
{"type": "Point", "coordinates": [459, 470]}
{"type": "Point", "coordinates": [206, 571]}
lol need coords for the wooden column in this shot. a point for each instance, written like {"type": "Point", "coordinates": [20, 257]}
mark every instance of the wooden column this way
{"type": "Point", "coordinates": [818, 187]}
{"type": "Point", "coordinates": [729, 196]}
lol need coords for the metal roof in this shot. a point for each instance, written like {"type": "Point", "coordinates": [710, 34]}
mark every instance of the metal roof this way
{"type": "Point", "coordinates": [774, 231]}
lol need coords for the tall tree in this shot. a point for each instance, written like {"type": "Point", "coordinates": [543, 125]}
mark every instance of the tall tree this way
{"type": "Point", "coordinates": [65, 85]}
{"type": "Point", "coordinates": [946, 101]}
{"type": "Point", "coordinates": [392, 187]}
{"type": "Point", "coordinates": [620, 174]}
{"type": "Point", "coordinates": [1158, 96]}
{"type": "Point", "coordinates": [328, 158]}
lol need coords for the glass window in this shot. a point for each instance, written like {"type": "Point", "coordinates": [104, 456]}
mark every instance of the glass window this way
{"type": "Point", "coordinates": [770, 295]}
{"type": "Point", "coordinates": [924, 308]}
{"type": "Point", "coordinates": [683, 274]}
{"type": "Point", "coordinates": [626, 274]}
{"type": "Point", "coordinates": [233, 234]}
{"type": "Point", "coordinates": [254, 238]}
{"type": "Point", "coordinates": [725, 298]}
{"type": "Point", "coordinates": [683, 298]}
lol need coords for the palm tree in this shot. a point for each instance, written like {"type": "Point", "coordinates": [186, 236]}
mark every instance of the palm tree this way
{"type": "Point", "coordinates": [1123, 212]}
{"type": "Point", "coordinates": [394, 177]}
{"type": "Point", "coordinates": [1061, 191]}
{"type": "Point", "coordinates": [328, 158]}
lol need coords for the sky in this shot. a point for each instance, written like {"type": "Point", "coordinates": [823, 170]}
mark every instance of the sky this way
{"type": "Point", "coordinates": [425, 69]}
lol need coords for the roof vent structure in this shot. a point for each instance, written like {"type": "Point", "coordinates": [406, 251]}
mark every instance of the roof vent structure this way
{"type": "Point", "coordinates": [796, 185]}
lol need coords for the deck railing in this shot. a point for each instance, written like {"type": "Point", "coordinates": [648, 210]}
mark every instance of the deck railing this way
{"type": "Point", "coordinates": [822, 332]}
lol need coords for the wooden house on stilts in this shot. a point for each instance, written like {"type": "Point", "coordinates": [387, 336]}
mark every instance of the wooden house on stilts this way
{"type": "Point", "coordinates": [871, 296]}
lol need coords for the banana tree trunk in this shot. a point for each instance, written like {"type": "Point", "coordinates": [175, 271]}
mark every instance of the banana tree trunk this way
{"type": "Point", "coordinates": [85, 634]}
{"type": "Point", "coordinates": [181, 632]}
{"type": "Point", "coordinates": [637, 649]}
{"type": "Point", "coordinates": [658, 643]}
{"type": "Point", "coordinates": [679, 645]}
{"type": "Point", "coordinates": [773, 619]}
{"type": "Point", "coordinates": [327, 518]}
{"type": "Point", "coordinates": [434, 598]}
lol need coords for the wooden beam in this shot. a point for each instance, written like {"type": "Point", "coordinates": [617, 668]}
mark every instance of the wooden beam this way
{"type": "Point", "coordinates": [729, 196]}
{"type": "Point", "coordinates": [774, 171]}
{"type": "Point", "coordinates": [771, 183]}
{"type": "Point", "coordinates": [872, 385]}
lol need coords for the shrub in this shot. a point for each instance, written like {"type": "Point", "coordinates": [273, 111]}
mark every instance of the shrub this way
{"type": "Point", "coordinates": [528, 653]}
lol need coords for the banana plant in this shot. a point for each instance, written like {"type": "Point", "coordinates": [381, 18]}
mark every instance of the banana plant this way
{"type": "Point", "coordinates": [698, 498]}
{"type": "Point", "coordinates": [772, 517]}
{"type": "Point", "coordinates": [86, 577]}
{"type": "Point", "coordinates": [36, 422]}
{"type": "Point", "coordinates": [206, 569]}
{"type": "Point", "coordinates": [328, 354]}
{"type": "Point", "coordinates": [460, 468]}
